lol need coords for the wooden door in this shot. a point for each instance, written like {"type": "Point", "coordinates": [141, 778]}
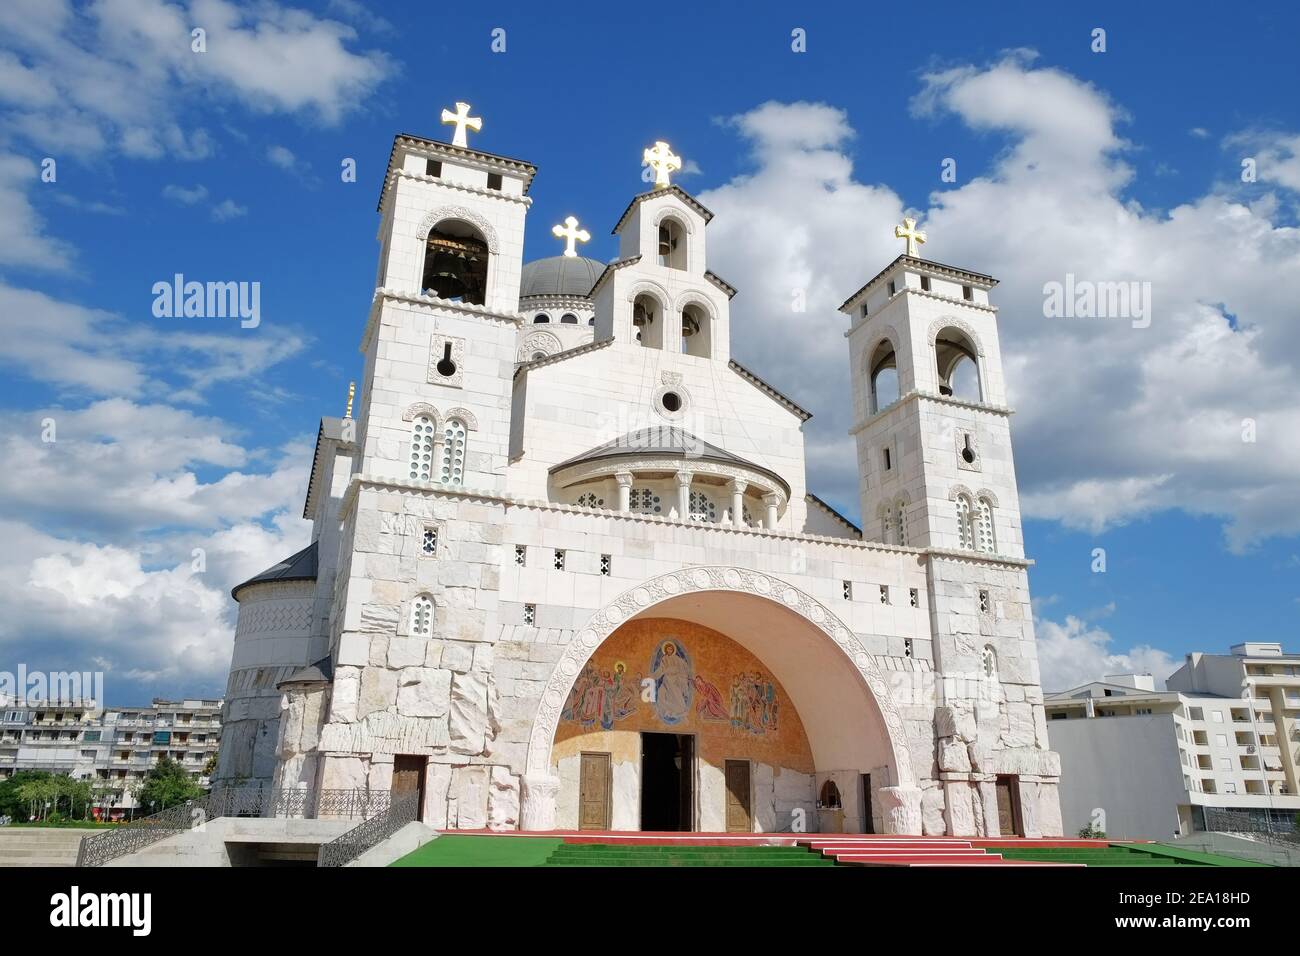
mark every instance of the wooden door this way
{"type": "Point", "coordinates": [739, 816]}
{"type": "Point", "coordinates": [408, 777]}
{"type": "Point", "coordinates": [594, 786]}
{"type": "Point", "coordinates": [1008, 806]}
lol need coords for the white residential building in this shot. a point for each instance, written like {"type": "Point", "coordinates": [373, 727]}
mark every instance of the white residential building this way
{"type": "Point", "coordinates": [1146, 763]}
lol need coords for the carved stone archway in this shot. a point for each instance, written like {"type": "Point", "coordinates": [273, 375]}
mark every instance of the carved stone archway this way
{"type": "Point", "coordinates": [540, 785]}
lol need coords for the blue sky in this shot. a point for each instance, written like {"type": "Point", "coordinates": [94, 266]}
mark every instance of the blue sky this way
{"type": "Point", "coordinates": [177, 434]}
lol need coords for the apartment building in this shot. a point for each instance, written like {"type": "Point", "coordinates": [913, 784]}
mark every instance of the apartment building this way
{"type": "Point", "coordinates": [114, 747]}
{"type": "Point", "coordinates": [1222, 736]}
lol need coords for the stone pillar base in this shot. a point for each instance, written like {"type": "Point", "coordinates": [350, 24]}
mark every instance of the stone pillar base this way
{"type": "Point", "coordinates": [537, 804]}
{"type": "Point", "coordinates": [900, 810]}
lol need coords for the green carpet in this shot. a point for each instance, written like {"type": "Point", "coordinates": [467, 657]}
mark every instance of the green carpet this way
{"type": "Point", "coordinates": [1123, 854]}
{"type": "Point", "coordinates": [467, 850]}
{"type": "Point", "coordinates": [471, 850]}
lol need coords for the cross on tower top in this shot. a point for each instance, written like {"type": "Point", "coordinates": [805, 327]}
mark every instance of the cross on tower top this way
{"type": "Point", "coordinates": [913, 236]}
{"type": "Point", "coordinates": [571, 235]}
{"type": "Point", "coordinates": [662, 161]}
{"type": "Point", "coordinates": [462, 121]}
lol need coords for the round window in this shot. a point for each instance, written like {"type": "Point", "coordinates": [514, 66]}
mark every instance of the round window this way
{"type": "Point", "coordinates": [671, 401]}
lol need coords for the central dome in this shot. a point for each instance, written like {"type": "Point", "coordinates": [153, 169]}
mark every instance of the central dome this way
{"type": "Point", "coordinates": [559, 275]}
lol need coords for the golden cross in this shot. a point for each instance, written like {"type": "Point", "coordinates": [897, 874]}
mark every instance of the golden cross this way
{"type": "Point", "coordinates": [913, 236]}
{"type": "Point", "coordinates": [352, 391]}
{"type": "Point", "coordinates": [461, 120]}
{"type": "Point", "coordinates": [571, 235]}
{"type": "Point", "coordinates": [662, 161]}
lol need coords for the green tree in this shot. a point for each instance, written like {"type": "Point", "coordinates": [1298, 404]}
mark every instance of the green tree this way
{"type": "Point", "coordinates": [13, 805]}
{"type": "Point", "coordinates": [165, 785]}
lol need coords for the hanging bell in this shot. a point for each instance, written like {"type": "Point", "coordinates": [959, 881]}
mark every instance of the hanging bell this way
{"type": "Point", "coordinates": [641, 316]}
{"type": "Point", "coordinates": [690, 326]}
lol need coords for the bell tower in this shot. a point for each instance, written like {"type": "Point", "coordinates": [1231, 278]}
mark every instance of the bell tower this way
{"type": "Point", "coordinates": [440, 340]}
{"type": "Point", "coordinates": [932, 426]}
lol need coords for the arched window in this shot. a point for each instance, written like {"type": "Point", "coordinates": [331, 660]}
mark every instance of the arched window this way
{"type": "Point", "coordinates": [569, 319]}
{"type": "Point", "coordinates": [646, 502]}
{"type": "Point", "coordinates": [422, 616]}
{"type": "Point", "coordinates": [453, 452]}
{"type": "Point", "coordinates": [887, 525]}
{"type": "Point", "coordinates": [830, 796]}
{"type": "Point", "coordinates": [672, 244]}
{"type": "Point", "coordinates": [984, 540]}
{"type": "Point", "coordinates": [702, 508]}
{"type": "Point", "coordinates": [422, 448]}
{"type": "Point", "coordinates": [965, 538]}
{"type": "Point", "coordinates": [957, 366]}
{"type": "Point", "coordinates": [647, 322]}
{"type": "Point", "coordinates": [541, 318]}
{"type": "Point", "coordinates": [989, 661]}
{"type": "Point", "coordinates": [900, 519]}
{"type": "Point", "coordinates": [884, 378]}
{"type": "Point", "coordinates": [697, 332]}
{"type": "Point", "coordinates": [455, 263]}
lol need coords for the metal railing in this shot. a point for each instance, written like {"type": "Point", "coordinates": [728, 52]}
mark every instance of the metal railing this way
{"type": "Point", "coordinates": [402, 809]}
{"type": "Point", "coordinates": [142, 832]}
{"type": "Point", "coordinates": [1259, 826]}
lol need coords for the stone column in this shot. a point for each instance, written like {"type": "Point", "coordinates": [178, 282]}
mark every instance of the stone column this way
{"type": "Point", "coordinates": [773, 502]}
{"type": "Point", "coordinates": [900, 810]}
{"type": "Point", "coordinates": [537, 807]}
{"type": "Point", "coordinates": [624, 479]}
{"type": "Point", "coordinates": [684, 495]}
{"type": "Point", "coordinates": [737, 489]}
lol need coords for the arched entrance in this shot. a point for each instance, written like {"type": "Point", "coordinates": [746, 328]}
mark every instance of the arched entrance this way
{"type": "Point", "coordinates": [833, 683]}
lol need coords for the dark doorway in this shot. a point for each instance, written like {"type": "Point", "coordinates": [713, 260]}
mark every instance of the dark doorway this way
{"type": "Point", "coordinates": [667, 781]}
{"type": "Point", "coordinates": [1009, 823]}
{"type": "Point", "coordinates": [408, 777]}
{"type": "Point", "coordinates": [868, 826]}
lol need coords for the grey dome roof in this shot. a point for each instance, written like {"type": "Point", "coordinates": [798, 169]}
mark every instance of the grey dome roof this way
{"type": "Point", "coordinates": [559, 275]}
{"type": "Point", "coordinates": [296, 567]}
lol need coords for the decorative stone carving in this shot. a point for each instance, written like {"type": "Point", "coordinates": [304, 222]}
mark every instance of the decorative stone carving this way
{"type": "Point", "coordinates": [900, 809]}
{"type": "Point", "coordinates": [537, 808]}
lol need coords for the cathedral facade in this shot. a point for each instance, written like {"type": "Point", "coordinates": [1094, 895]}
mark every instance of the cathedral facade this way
{"type": "Point", "coordinates": [566, 571]}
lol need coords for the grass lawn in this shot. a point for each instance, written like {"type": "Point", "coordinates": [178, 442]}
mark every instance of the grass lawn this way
{"type": "Point", "coordinates": [481, 851]}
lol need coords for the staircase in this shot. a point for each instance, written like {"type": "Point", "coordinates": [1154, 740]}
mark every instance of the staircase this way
{"type": "Point", "coordinates": [645, 854]}
{"type": "Point", "coordinates": [40, 846]}
{"type": "Point", "coordinates": [943, 851]}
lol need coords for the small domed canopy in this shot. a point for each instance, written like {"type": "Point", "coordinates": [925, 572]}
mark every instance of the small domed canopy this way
{"type": "Point", "coordinates": [296, 567]}
{"type": "Point", "coordinates": [559, 275]}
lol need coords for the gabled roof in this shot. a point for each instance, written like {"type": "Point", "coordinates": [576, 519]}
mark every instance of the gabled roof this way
{"type": "Point", "coordinates": [331, 428]}
{"type": "Point", "coordinates": [297, 567]}
{"type": "Point", "coordinates": [561, 356]}
{"type": "Point", "coordinates": [762, 385]}
{"type": "Point", "coordinates": [320, 672]}
{"type": "Point", "coordinates": [665, 441]}
{"type": "Point", "coordinates": [935, 268]}
{"type": "Point", "coordinates": [678, 191]}
{"type": "Point", "coordinates": [833, 513]}
{"type": "Point", "coordinates": [516, 166]}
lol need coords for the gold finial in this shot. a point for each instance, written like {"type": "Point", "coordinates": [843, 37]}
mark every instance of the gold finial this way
{"type": "Point", "coordinates": [662, 161]}
{"type": "Point", "coordinates": [462, 121]}
{"type": "Point", "coordinates": [352, 391]}
{"type": "Point", "coordinates": [571, 235]}
{"type": "Point", "coordinates": [913, 236]}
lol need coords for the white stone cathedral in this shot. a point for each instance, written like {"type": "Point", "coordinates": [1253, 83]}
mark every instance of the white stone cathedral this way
{"type": "Point", "coordinates": [566, 571]}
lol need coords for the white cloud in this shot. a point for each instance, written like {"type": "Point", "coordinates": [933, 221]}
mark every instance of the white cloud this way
{"type": "Point", "coordinates": [1074, 653]}
{"type": "Point", "coordinates": [91, 351]}
{"type": "Point", "coordinates": [1113, 422]}
{"type": "Point", "coordinates": [117, 74]}
{"type": "Point", "coordinates": [186, 196]}
{"type": "Point", "coordinates": [23, 241]}
{"type": "Point", "coordinates": [228, 209]}
{"type": "Point", "coordinates": [281, 156]}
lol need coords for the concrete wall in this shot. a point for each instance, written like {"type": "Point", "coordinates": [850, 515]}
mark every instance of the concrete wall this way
{"type": "Point", "coordinates": [1127, 766]}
